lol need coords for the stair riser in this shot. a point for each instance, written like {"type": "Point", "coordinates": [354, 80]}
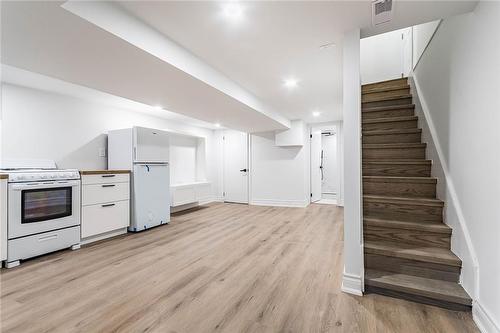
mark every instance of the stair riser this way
{"type": "Point", "coordinates": [417, 237]}
{"type": "Point", "coordinates": [395, 170]}
{"type": "Point", "coordinates": [393, 138]}
{"type": "Point", "coordinates": [388, 84]}
{"type": "Point", "coordinates": [402, 211]}
{"type": "Point", "coordinates": [412, 267]}
{"type": "Point", "coordinates": [388, 113]}
{"type": "Point", "coordinates": [370, 96]}
{"type": "Point", "coordinates": [390, 125]}
{"type": "Point", "coordinates": [387, 291]}
{"type": "Point", "coordinates": [400, 189]}
{"type": "Point", "coordinates": [394, 153]}
{"type": "Point", "coordinates": [392, 102]}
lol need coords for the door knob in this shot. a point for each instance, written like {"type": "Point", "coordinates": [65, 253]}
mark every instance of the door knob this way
{"type": "Point", "coordinates": [243, 170]}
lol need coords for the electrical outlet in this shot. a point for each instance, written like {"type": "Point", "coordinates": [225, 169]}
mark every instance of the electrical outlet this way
{"type": "Point", "coordinates": [102, 152]}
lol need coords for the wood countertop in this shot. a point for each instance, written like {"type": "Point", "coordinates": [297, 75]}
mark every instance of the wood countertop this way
{"type": "Point", "coordinates": [102, 172]}
{"type": "Point", "coordinates": [4, 176]}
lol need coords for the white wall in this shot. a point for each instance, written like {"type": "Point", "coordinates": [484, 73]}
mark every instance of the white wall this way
{"type": "Point", "coordinates": [422, 34]}
{"type": "Point", "coordinates": [353, 278]}
{"type": "Point", "coordinates": [457, 77]}
{"type": "Point", "coordinates": [385, 56]}
{"type": "Point", "coordinates": [187, 162]}
{"type": "Point", "coordinates": [39, 124]}
{"type": "Point", "coordinates": [279, 176]}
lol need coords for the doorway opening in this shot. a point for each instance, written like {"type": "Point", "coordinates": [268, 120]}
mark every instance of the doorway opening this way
{"type": "Point", "coordinates": [325, 165]}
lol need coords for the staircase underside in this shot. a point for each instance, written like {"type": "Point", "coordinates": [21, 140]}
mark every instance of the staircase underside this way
{"type": "Point", "coordinates": [407, 245]}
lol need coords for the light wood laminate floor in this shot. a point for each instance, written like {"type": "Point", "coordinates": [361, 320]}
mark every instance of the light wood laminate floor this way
{"type": "Point", "coordinates": [225, 267]}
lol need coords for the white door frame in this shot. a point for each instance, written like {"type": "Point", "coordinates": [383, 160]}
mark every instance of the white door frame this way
{"type": "Point", "coordinates": [338, 128]}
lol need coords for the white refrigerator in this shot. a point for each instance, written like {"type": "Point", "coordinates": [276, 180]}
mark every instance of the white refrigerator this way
{"type": "Point", "coordinates": [145, 152]}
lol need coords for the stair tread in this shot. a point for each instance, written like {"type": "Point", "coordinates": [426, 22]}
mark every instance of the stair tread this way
{"type": "Point", "coordinates": [386, 81]}
{"type": "Point", "coordinates": [431, 227]}
{"type": "Point", "coordinates": [389, 98]}
{"type": "Point", "coordinates": [393, 131]}
{"type": "Point", "coordinates": [394, 145]}
{"type": "Point", "coordinates": [431, 288]}
{"type": "Point", "coordinates": [402, 179]}
{"type": "Point", "coordinates": [389, 119]}
{"type": "Point", "coordinates": [385, 89]}
{"type": "Point", "coordinates": [388, 108]}
{"type": "Point", "coordinates": [412, 200]}
{"type": "Point", "coordinates": [408, 161]}
{"type": "Point", "coordinates": [432, 254]}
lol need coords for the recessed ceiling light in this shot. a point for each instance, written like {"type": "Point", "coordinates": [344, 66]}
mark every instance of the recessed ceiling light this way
{"type": "Point", "coordinates": [232, 11]}
{"type": "Point", "coordinates": [158, 107]}
{"type": "Point", "coordinates": [217, 125]}
{"type": "Point", "coordinates": [291, 83]}
{"type": "Point", "coordinates": [316, 113]}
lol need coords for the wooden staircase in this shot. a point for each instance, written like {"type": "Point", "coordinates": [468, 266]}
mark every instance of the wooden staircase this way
{"type": "Point", "coordinates": [407, 245]}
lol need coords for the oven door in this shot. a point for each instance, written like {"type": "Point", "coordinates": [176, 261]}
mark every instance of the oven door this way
{"type": "Point", "coordinates": [40, 207]}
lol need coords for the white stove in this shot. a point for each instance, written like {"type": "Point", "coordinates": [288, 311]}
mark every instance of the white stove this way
{"type": "Point", "coordinates": [43, 213]}
{"type": "Point", "coordinates": [40, 175]}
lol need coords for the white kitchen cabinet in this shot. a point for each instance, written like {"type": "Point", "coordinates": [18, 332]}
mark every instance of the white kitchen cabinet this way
{"type": "Point", "coordinates": [3, 218]}
{"type": "Point", "coordinates": [183, 194]}
{"type": "Point", "coordinates": [105, 204]}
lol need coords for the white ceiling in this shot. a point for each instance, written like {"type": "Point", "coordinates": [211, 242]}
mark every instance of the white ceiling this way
{"type": "Point", "coordinates": [19, 77]}
{"type": "Point", "coordinates": [45, 38]}
{"type": "Point", "coordinates": [273, 41]}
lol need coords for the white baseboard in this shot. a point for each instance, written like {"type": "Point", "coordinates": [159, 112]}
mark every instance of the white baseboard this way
{"type": "Point", "coordinates": [352, 284]}
{"type": "Point", "coordinates": [210, 200]}
{"type": "Point", "coordinates": [190, 205]}
{"type": "Point", "coordinates": [483, 319]}
{"type": "Point", "coordinates": [280, 203]}
{"type": "Point", "coordinates": [109, 234]}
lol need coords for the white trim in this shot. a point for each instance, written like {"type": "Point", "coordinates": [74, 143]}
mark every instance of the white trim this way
{"type": "Point", "coordinates": [105, 235]}
{"type": "Point", "coordinates": [483, 319]}
{"type": "Point", "coordinates": [214, 199]}
{"type": "Point", "coordinates": [414, 65]}
{"type": "Point", "coordinates": [352, 284]}
{"type": "Point", "coordinates": [450, 185]}
{"type": "Point", "coordinates": [280, 203]}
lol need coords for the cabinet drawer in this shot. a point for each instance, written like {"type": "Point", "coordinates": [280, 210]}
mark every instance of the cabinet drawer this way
{"type": "Point", "coordinates": [105, 179]}
{"type": "Point", "coordinates": [103, 193]}
{"type": "Point", "coordinates": [101, 218]}
{"type": "Point", "coordinates": [29, 246]}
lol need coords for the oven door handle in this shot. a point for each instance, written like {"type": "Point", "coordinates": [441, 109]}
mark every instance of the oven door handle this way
{"type": "Point", "coordinates": [69, 183]}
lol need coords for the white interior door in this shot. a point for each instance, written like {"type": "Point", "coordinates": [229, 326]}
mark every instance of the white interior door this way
{"type": "Point", "coordinates": [236, 166]}
{"type": "Point", "coordinates": [315, 165]}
